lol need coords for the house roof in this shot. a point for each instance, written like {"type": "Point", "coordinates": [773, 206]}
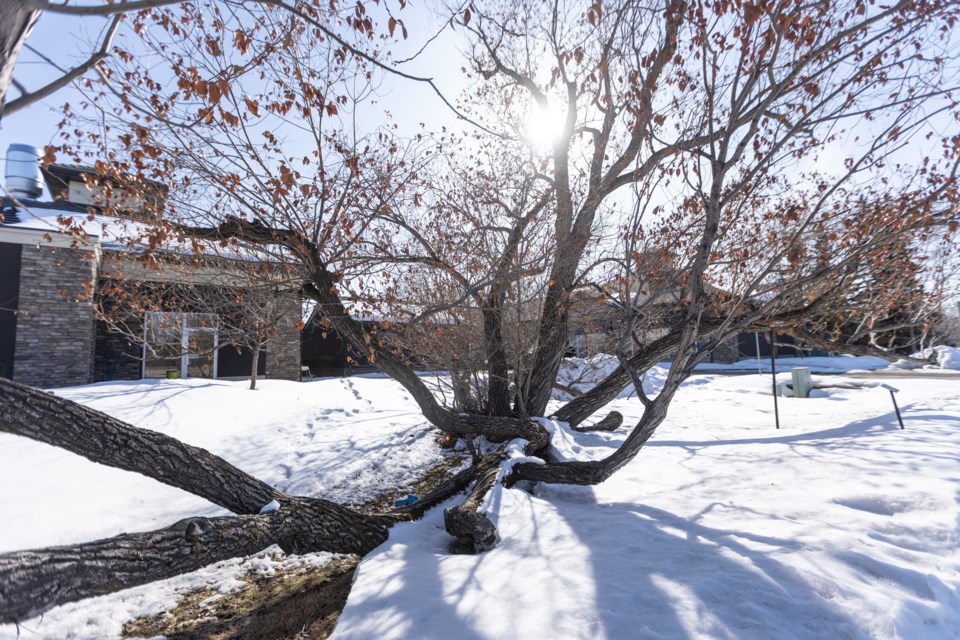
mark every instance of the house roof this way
{"type": "Point", "coordinates": [59, 176]}
{"type": "Point", "coordinates": [48, 218]}
{"type": "Point", "coordinates": [47, 223]}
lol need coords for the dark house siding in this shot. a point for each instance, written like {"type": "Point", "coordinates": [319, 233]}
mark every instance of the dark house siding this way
{"type": "Point", "coordinates": [327, 354]}
{"type": "Point", "coordinates": [116, 356]}
{"type": "Point", "coordinates": [9, 293]}
{"type": "Point", "coordinates": [237, 361]}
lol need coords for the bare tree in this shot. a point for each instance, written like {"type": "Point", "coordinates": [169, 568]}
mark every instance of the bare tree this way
{"type": "Point", "coordinates": [712, 119]}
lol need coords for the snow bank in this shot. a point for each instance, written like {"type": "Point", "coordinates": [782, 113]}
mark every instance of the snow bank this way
{"type": "Point", "coordinates": [722, 528]}
{"type": "Point", "coordinates": [582, 374]}
{"type": "Point", "coordinates": [944, 356]}
{"type": "Point", "coordinates": [818, 364]}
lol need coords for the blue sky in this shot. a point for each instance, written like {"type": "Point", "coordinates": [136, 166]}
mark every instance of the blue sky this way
{"type": "Point", "coordinates": [67, 40]}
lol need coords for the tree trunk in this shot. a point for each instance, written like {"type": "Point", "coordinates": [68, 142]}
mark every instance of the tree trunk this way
{"type": "Point", "coordinates": [32, 582]}
{"type": "Point", "coordinates": [551, 346]}
{"type": "Point", "coordinates": [596, 471]}
{"type": "Point", "coordinates": [579, 409]}
{"type": "Point", "coordinates": [16, 22]}
{"type": "Point", "coordinates": [496, 427]}
{"type": "Point", "coordinates": [42, 416]}
{"type": "Point", "coordinates": [302, 602]}
{"type": "Point", "coordinates": [498, 374]}
{"type": "Point", "coordinates": [471, 530]}
{"type": "Point", "coordinates": [447, 489]}
{"type": "Point", "coordinates": [256, 363]}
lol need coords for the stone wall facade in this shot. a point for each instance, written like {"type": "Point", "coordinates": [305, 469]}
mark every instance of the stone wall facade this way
{"type": "Point", "coordinates": [55, 317]}
{"type": "Point", "coordinates": [58, 341]}
{"type": "Point", "coordinates": [117, 357]}
{"type": "Point", "coordinates": [283, 355]}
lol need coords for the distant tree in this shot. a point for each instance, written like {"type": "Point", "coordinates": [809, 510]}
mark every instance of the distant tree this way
{"type": "Point", "coordinates": [714, 119]}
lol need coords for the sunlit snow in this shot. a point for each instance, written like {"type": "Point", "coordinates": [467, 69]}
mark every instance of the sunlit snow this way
{"type": "Point", "coordinates": [839, 525]}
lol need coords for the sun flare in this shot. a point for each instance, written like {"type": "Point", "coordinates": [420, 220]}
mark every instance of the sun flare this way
{"type": "Point", "coordinates": [543, 126]}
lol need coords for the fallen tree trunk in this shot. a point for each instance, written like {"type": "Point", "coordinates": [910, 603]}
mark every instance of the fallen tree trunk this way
{"type": "Point", "coordinates": [31, 582]}
{"type": "Point", "coordinates": [43, 416]}
{"type": "Point", "coordinates": [449, 488]}
{"type": "Point", "coordinates": [301, 602]}
{"type": "Point", "coordinates": [472, 530]}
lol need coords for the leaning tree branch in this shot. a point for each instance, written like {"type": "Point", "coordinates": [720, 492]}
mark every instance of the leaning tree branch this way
{"type": "Point", "coordinates": [42, 416]}
{"type": "Point", "coordinates": [29, 98]}
{"type": "Point", "coordinates": [32, 582]}
{"type": "Point", "coordinates": [816, 340]}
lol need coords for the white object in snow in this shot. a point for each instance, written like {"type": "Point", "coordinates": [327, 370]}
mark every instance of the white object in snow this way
{"type": "Point", "coordinates": [801, 382]}
{"type": "Point", "coordinates": [270, 507]}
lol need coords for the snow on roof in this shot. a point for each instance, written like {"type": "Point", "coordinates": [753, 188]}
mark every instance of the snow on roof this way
{"type": "Point", "coordinates": [111, 233]}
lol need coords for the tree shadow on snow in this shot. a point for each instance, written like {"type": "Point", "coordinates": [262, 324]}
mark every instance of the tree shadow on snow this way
{"type": "Point", "coordinates": [661, 575]}
{"type": "Point", "coordinates": [836, 436]}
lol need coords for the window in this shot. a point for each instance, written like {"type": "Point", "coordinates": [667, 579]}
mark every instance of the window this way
{"type": "Point", "coordinates": [185, 343]}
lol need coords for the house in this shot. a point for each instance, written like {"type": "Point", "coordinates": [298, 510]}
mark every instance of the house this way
{"type": "Point", "coordinates": [325, 353]}
{"type": "Point", "coordinates": [50, 335]}
{"type": "Point", "coordinates": [597, 316]}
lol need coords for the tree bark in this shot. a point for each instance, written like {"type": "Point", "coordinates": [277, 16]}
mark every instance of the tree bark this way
{"type": "Point", "coordinates": [42, 416]}
{"type": "Point", "coordinates": [32, 582]}
{"type": "Point", "coordinates": [579, 409]}
{"type": "Point", "coordinates": [498, 374]}
{"type": "Point", "coordinates": [551, 343]}
{"type": "Point", "coordinates": [470, 529]}
{"type": "Point", "coordinates": [255, 365]}
{"type": "Point", "coordinates": [447, 489]}
{"type": "Point", "coordinates": [16, 22]}
{"type": "Point", "coordinates": [596, 471]}
{"type": "Point", "coordinates": [611, 423]}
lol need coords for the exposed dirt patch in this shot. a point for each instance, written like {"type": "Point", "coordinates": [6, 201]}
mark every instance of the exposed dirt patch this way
{"type": "Point", "coordinates": [302, 603]}
{"type": "Point", "coordinates": [427, 483]}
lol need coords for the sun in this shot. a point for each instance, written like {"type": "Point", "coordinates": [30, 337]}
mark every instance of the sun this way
{"type": "Point", "coordinates": [543, 126]}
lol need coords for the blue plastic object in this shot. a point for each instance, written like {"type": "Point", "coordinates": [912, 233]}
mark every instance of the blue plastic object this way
{"type": "Point", "coordinates": [406, 501]}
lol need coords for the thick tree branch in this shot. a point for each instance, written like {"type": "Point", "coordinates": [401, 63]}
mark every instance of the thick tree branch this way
{"type": "Point", "coordinates": [32, 582]}
{"type": "Point", "coordinates": [42, 416]}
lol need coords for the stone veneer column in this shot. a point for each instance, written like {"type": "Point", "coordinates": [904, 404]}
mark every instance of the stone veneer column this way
{"type": "Point", "coordinates": [55, 318]}
{"type": "Point", "coordinates": [283, 360]}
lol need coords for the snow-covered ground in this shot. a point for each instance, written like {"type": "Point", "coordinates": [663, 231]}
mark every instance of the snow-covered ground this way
{"type": "Point", "coordinates": [839, 525]}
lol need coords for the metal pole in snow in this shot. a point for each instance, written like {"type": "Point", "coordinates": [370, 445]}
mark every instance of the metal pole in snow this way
{"type": "Point", "coordinates": [892, 391]}
{"type": "Point", "coordinates": [773, 368]}
{"type": "Point", "coordinates": [756, 336]}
